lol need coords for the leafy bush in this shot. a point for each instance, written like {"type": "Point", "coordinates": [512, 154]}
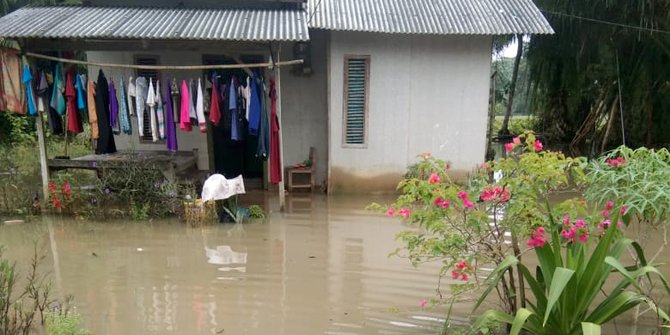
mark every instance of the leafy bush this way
{"type": "Point", "coordinates": [21, 307]}
{"type": "Point", "coordinates": [256, 212]}
{"type": "Point", "coordinates": [566, 289]}
{"type": "Point", "coordinates": [64, 323]}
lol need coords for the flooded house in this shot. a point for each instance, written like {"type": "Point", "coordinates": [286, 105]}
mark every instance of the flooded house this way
{"type": "Point", "coordinates": [378, 82]}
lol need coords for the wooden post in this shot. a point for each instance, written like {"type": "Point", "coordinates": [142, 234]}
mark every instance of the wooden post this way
{"type": "Point", "coordinates": [282, 192]}
{"type": "Point", "coordinates": [42, 147]}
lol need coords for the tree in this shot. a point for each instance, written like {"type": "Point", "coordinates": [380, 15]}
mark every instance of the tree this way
{"type": "Point", "coordinates": [608, 59]}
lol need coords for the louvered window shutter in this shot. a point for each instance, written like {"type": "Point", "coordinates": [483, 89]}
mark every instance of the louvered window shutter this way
{"type": "Point", "coordinates": [153, 74]}
{"type": "Point", "coordinates": [356, 77]}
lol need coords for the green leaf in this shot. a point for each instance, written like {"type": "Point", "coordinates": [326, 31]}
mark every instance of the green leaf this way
{"type": "Point", "coordinates": [560, 280]}
{"type": "Point", "coordinates": [519, 320]}
{"type": "Point", "coordinates": [590, 328]}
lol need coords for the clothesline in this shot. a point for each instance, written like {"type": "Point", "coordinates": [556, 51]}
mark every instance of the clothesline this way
{"type": "Point", "coordinates": [167, 67]}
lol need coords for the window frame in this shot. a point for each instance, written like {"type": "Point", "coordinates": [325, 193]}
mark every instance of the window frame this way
{"type": "Point", "coordinates": [136, 57]}
{"type": "Point", "coordinates": [345, 100]}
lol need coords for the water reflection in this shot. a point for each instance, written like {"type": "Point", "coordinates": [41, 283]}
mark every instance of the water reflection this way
{"type": "Point", "coordinates": [321, 268]}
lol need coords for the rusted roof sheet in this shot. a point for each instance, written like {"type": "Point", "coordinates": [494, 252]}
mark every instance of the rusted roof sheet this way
{"type": "Point", "coordinates": [441, 17]}
{"type": "Point", "coordinates": [88, 22]}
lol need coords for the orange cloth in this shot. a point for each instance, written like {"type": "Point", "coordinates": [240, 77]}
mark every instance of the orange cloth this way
{"type": "Point", "coordinates": [11, 93]}
{"type": "Point", "coordinates": [92, 113]}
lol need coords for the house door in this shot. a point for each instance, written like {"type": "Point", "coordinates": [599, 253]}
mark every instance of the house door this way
{"type": "Point", "coordinates": [229, 157]}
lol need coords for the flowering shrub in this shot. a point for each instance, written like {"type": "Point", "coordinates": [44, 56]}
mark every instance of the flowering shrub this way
{"type": "Point", "coordinates": [466, 222]}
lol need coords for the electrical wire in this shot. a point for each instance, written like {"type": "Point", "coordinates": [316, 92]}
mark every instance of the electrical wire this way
{"type": "Point", "coordinates": [622, 25]}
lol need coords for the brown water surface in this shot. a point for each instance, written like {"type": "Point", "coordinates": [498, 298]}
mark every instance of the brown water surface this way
{"type": "Point", "coordinates": [320, 268]}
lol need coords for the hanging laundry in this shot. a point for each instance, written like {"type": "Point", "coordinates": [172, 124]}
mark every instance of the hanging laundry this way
{"type": "Point", "coordinates": [11, 93]}
{"type": "Point", "coordinates": [214, 111]}
{"type": "Point", "coordinates": [160, 113]}
{"type": "Point", "coordinates": [245, 91]}
{"type": "Point", "coordinates": [200, 109]}
{"type": "Point", "coordinates": [131, 96]}
{"type": "Point", "coordinates": [254, 110]}
{"type": "Point", "coordinates": [232, 107]}
{"type": "Point", "coordinates": [57, 99]}
{"type": "Point", "coordinates": [80, 85]}
{"type": "Point", "coordinates": [185, 119]}
{"type": "Point", "coordinates": [151, 103]}
{"type": "Point", "coordinates": [114, 109]}
{"type": "Point", "coordinates": [92, 113]}
{"type": "Point", "coordinates": [126, 126]}
{"type": "Point", "coordinates": [170, 131]}
{"type": "Point", "coordinates": [174, 91]}
{"type": "Point", "coordinates": [275, 150]}
{"type": "Point", "coordinates": [191, 107]}
{"type": "Point", "coordinates": [73, 124]}
{"type": "Point", "coordinates": [42, 87]}
{"type": "Point", "coordinates": [141, 90]}
{"type": "Point", "coordinates": [81, 103]}
{"type": "Point", "coordinates": [27, 80]}
{"type": "Point", "coordinates": [106, 141]}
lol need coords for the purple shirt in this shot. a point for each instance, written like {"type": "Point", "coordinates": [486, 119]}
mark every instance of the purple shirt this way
{"type": "Point", "coordinates": [113, 105]}
{"type": "Point", "coordinates": [170, 132]}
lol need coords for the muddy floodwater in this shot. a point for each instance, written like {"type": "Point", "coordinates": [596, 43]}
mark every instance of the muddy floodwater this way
{"type": "Point", "coordinates": [320, 268]}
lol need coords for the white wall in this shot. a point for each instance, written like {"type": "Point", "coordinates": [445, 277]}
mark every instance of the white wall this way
{"type": "Point", "coordinates": [304, 108]}
{"type": "Point", "coordinates": [426, 94]}
{"type": "Point", "coordinates": [186, 141]}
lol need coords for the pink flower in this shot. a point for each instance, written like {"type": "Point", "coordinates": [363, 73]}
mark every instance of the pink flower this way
{"type": "Point", "coordinates": [623, 210]}
{"type": "Point", "coordinates": [461, 265]}
{"type": "Point", "coordinates": [488, 194]}
{"type": "Point", "coordinates": [516, 140]}
{"type": "Point", "coordinates": [537, 145]}
{"type": "Point", "coordinates": [583, 238]}
{"type": "Point", "coordinates": [466, 202]}
{"type": "Point", "coordinates": [434, 179]}
{"type": "Point", "coordinates": [56, 203]}
{"type": "Point", "coordinates": [423, 302]}
{"type": "Point", "coordinates": [605, 213]}
{"type": "Point", "coordinates": [537, 239]}
{"type": "Point", "coordinates": [464, 276]}
{"type": "Point", "coordinates": [390, 212]}
{"type": "Point", "coordinates": [580, 223]}
{"type": "Point", "coordinates": [616, 162]}
{"type": "Point", "coordinates": [404, 212]}
{"type": "Point", "coordinates": [454, 274]}
{"type": "Point", "coordinates": [440, 202]}
{"type": "Point", "coordinates": [566, 219]}
{"type": "Point", "coordinates": [509, 147]}
{"type": "Point", "coordinates": [67, 190]}
{"type": "Point", "coordinates": [619, 224]}
{"type": "Point", "coordinates": [609, 205]}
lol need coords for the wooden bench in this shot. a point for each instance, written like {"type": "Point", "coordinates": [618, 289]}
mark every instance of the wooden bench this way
{"type": "Point", "coordinates": [308, 171]}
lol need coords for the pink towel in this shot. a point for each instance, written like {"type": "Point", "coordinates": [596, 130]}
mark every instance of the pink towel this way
{"type": "Point", "coordinates": [185, 119]}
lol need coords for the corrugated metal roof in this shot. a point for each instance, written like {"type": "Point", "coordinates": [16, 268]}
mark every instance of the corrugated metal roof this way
{"type": "Point", "coordinates": [486, 17]}
{"type": "Point", "coordinates": [155, 23]}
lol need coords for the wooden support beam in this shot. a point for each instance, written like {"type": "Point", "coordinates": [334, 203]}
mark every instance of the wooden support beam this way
{"type": "Point", "coordinates": [42, 147]}
{"type": "Point", "coordinates": [282, 191]}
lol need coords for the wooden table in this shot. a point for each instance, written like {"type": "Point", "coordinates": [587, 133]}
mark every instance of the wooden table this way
{"type": "Point", "coordinates": [170, 164]}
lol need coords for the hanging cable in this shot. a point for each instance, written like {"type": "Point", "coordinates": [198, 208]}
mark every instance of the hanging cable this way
{"type": "Point", "coordinates": [618, 81]}
{"type": "Point", "coordinates": [616, 24]}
